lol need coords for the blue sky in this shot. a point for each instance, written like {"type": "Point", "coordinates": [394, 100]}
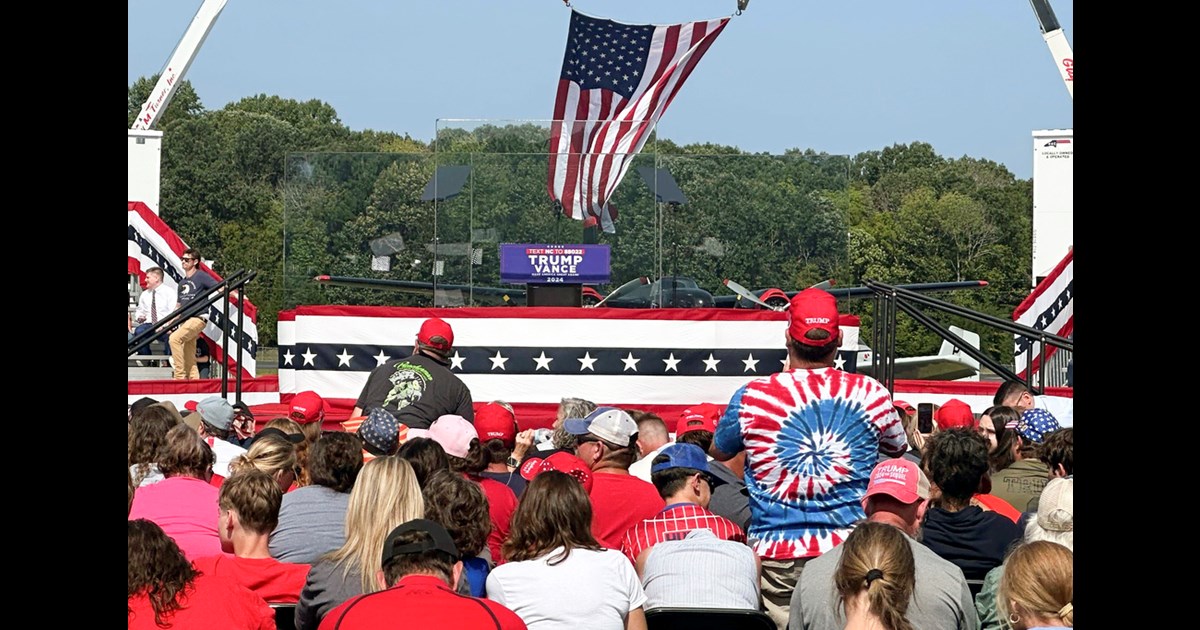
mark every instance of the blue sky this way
{"type": "Point", "coordinates": [970, 77]}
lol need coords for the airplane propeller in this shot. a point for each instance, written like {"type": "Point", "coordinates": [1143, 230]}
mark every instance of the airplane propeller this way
{"type": "Point", "coordinates": [777, 303]}
{"type": "Point", "coordinates": [624, 288]}
{"type": "Point", "coordinates": [747, 295]}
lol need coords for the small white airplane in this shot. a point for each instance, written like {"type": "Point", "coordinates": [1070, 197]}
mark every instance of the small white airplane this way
{"type": "Point", "coordinates": [949, 364]}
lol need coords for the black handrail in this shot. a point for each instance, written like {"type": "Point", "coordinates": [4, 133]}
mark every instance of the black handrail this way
{"type": "Point", "coordinates": [888, 298]}
{"type": "Point", "coordinates": [220, 291]}
{"type": "Point", "coordinates": [193, 308]}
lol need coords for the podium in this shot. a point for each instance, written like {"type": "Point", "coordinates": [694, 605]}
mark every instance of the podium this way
{"type": "Point", "coordinates": [554, 295]}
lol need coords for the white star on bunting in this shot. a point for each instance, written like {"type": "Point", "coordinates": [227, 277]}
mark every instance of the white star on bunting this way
{"type": "Point", "coordinates": [672, 362]}
{"type": "Point", "coordinates": [630, 362]}
{"type": "Point", "coordinates": [344, 358]}
{"type": "Point", "coordinates": [543, 362]}
{"type": "Point", "coordinates": [287, 357]}
{"type": "Point", "coordinates": [380, 358]}
{"type": "Point", "coordinates": [308, 357]}
{"type": "Point", "coordinates": [711, 363]}
{"type": "Point", "coordinates": [456, 361]}
{"type": "Point", "coordinates": [839, 363]}
{"type": "Point", "coordinates": [498, 361]}
{"type": "Point", "coordinates": [751, 363]}
{"type": "Point", "coordinates": [586, 362]}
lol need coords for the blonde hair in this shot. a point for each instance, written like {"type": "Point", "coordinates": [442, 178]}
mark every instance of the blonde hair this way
{"type": "Point", "coordinates": [385, 495]}
{"type": "Point", "coordinates": [291, 427]}
{"type": "Point", "coordinates": [1037, 583]}
{"type": "Point", "coordinates": [270, 454]}
{"type": "Point", "coordinates": [876, 558]}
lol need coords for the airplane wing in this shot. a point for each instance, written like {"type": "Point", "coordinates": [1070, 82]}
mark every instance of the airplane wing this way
{"type": "Point", "coordinates": [449, 294]}
{"type": "Point", "coordinates": [949, 364]}
{"type": "Point", "coordinates": [774, 296]}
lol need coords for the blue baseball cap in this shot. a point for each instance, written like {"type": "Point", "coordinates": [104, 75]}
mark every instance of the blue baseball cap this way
{"type": "Point", "coordinates": [1035, 424]}
{"type": "Point", "coordinates": [682, 456]}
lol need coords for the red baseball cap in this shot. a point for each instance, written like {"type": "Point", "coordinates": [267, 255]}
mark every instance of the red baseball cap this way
{"type": "Point", "coordinates": [813, 309]}
{"type": "Point", "coordinates": [903, 405]}
{"type": "Point", "coordinates": [703, 416]}
{"type": "Point", "coordinates": [900, 478]}
{"type": "Point", "coordinates": [561, 461]}
{"type": "Point", "coordinates": [494, 421]}
{"type": "Point", "coordinates": [306, 407]}
{"type": "Point", "coordinates": [436, 334]}
{"type": "Point", "coordinates": [954, 413]}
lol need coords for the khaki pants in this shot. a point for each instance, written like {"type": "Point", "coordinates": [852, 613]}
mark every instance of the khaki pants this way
{"type": "Point", "coordinates": [183, 348]}
{"type": "Point", "coordinates": [779, 579]}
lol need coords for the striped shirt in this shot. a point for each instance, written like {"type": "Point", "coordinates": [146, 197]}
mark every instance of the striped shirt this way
{"type": "Point", "coordinates": [673, 523]}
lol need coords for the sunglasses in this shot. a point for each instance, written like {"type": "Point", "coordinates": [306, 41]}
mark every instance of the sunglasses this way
{"type": "Point", "coordinates": [187, 258]}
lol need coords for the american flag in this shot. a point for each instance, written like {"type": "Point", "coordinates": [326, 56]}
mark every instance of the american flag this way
{"type": "Point", "coordinates": [617, 80]}
{"type": "Point", "coordinates": [1049, 308]}
{"type": "Point", "coordinates": [152, 243]}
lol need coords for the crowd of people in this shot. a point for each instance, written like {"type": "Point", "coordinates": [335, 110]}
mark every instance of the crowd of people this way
{"type": "Point", "coordinates": [811, 498]}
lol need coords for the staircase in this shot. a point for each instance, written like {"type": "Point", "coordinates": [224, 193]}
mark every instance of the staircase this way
{"type": "Point", "coordinates": [148, 368]}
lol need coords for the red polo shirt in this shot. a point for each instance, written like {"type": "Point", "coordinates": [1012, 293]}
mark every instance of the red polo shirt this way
{"type": "Point", "coordinates": [421, 601]}
{"type": "Point", "coordinates": [618, 503]}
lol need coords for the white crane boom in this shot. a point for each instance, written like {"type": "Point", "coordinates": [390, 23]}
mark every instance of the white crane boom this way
{"type": "Point", "coordinates": [1056, 39]}
{"type": "Point", "coordinates": [178, 64]}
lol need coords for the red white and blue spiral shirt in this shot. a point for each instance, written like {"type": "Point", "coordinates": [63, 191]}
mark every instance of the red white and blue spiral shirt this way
{"type": "Point", "coordinates": [811, 439]}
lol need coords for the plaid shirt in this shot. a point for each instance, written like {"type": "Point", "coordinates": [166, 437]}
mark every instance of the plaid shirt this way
{"type": "Point", "coordinates": [674, 523]}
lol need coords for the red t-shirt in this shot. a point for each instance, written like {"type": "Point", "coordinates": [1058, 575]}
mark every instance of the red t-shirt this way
{"type": "Point", "coordinates": [275, 581]}
{"type": "Point", "coordinates": [502, 502]}
{"type": "Point", "coordinates": [618, 503]}
{"type": "Point", "coordinates": [419, 601]}
{"type": "Point", "coordinates": [673, 523]}
{"type": "Point", "coordinates": [999, 506]}
{"type": "Point", "coordinates": [213, 601]}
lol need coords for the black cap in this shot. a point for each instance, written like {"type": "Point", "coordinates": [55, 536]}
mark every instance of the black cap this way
{"type": "Point", "coordinates": [439, 540]}
{"type": "Point", "coordinates": [294, 438]}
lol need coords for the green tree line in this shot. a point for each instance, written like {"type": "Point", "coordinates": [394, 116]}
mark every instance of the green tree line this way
{"type": "Point", "coordinates": [283, 187]}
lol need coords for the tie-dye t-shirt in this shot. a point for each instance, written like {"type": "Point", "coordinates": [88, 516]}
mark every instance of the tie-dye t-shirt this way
{"type": "Point", "coordinates": [811, 439]}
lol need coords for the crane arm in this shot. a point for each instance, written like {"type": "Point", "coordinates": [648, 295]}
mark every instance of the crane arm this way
{"type": "Point", "coordinates": [1056, 39]}
{"type": "Point", "coordinates": [178, 64]}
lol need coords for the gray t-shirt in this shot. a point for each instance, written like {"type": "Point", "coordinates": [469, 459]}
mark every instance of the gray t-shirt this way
{"type": "Point", "coordinates": [312, 522]}
{"type": "Point", "coordinates": [324, 590]}
{"type": "Point", "coordinates": [701, 571]}
{"type": "Point", "coordinates": [941, 599]}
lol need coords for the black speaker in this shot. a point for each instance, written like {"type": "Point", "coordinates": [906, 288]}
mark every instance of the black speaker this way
{"type": "Point", "coordinates": [554, 295]}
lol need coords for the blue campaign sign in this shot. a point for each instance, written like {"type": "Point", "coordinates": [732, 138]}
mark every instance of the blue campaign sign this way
{"type": "Point", "coordinates": [568, 264]}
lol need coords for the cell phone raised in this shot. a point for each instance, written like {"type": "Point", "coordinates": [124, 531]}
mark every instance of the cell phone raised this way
{"type": "Point", "coordinates": [925, 418]}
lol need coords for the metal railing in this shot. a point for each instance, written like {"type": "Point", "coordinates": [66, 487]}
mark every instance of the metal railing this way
{"type": "Point", "coordinates": [221, 291]}
{"type": "Point", "coordinates": [890, 299]}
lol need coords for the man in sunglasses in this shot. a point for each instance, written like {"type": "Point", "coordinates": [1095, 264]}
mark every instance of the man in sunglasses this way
{"type": "Point", "coordinates": [196, 282]}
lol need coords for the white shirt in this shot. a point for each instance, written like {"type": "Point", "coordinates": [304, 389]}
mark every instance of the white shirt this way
{"type": "Point", "coordinates": [701, 571]}
{"type": "Point", "coordinates": [164, 298]}
{"type": "Point", "coordinates": [225, 453]}
{"type": "Point", "coordinates": [641, 468]}
{"type": "Point", "coordinates": [595, 590]}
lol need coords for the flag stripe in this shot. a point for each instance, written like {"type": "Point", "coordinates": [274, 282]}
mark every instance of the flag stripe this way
{"type": "Point", "coordinates": [1049, 307]}
{"type": "Point", "coordinates": [587, 165]}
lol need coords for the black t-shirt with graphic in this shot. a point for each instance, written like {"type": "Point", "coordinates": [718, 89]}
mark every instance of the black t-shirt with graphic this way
{"type": "Point", "coordinates": [197, 284]}
{"type": "Point", "coordinates": [417, 390]}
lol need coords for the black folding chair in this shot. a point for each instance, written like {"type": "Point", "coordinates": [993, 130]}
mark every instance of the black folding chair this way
{"type": "Point", "coordinates": [285, 616]}
{"type": "Point", "coordinates": [671, 618]}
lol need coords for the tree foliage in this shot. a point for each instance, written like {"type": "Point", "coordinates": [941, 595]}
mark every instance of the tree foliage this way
{"type": "Point", "coordinates": [285, 188]}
